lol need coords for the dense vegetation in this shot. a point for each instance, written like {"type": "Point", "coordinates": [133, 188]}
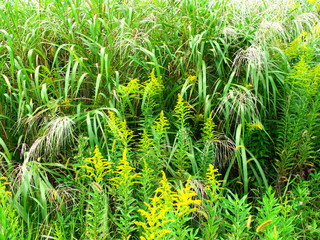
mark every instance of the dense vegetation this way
{"type": "Point", "coordinates": [166, 119]}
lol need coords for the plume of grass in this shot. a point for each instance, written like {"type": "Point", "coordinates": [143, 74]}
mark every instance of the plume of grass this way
{"type": "Point", "coordinates": [238, 106]}
{"type": "Point", "coordinates": [57, 134]}
{"type": "Point", "coordinates": [34, 198]}
{"type": "Point", "coordinates": [216, 147]}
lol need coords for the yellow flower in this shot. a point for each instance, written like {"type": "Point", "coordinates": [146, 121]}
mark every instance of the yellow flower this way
{"type": "Point", "coordinates": [161, 124]}
{"type": "Point", "coordinates": [192, 79]}
{"type": "Point", "coordinates": [255, 126]}
{"type": "Point", "coordinates": [156, 214]}
{"type": "Point", "coordinates": [131, 90]}
{"type": "Point", "coordinates": [212, 183]}
{"type": "Point", "coordinates": [119, 129]}
{"type": "Point", "coordinates": [98, 167]}
{"type": "Point", "coordinates": [165, 207]}
{"type": "Point", "coordinates": [312, 2]}
{"type": "Point", "coordinates": [184, 199]}
{"type": "Point", "coordinates": [125, 176]}
{"type": "Point", "coordinates": [165, 190]}
{"type": "Point", "coordinates": [3, 192]}
{"type": "Point", "coordinates": [153, 86]}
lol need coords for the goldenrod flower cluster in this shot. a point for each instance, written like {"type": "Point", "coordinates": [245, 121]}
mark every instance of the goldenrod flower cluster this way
{"type": "Point", "coordinates": [156, 219]}
{"type": "Point", "coordinates": [131, 90]}
{"type": "Point", "coordinates": [119, 129]}
{"type": "Point", "coordinates": [161, 124]}
{"type": "Point", "coordinates": [192, 79]}
{"type": "Point", "coordinates": [3, 192]}
{"type": "Point", "coordinates": [182, 110]}
{"type": "Point", "coordinates": [124, 173]}
{"type": "Point", "coordinates": [166, 207]}
{"type": "Point", "coordinates": [212, 183]}
{"type": "Point", "coordinates": [98, 167]}
{"type": "Point", "coordinates": [209, 132]}
{"type": "Point", "coordinates": [254, 126]}
{"type": "Point", "coordinates": [184, 199]}
{"type": "Point", "coordinates": [153, 85]}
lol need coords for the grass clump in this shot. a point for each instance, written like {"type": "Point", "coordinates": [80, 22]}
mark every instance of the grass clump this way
{"type": "Point", "coordinates": [113, 115]}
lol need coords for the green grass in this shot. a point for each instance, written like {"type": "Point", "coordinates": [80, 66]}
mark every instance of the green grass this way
{"type": "Point", "coordinates": [172, 87]}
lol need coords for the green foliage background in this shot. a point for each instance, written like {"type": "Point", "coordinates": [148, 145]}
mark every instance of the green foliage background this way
{"type": "Point", "coordinates": [110, 109]}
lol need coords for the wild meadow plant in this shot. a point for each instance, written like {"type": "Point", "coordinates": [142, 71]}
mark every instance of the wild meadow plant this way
{"type": "Point", "coordinates": [9, 222]}
{"type": "Point", "coordinates": [154, 93]}
{"type": "Point", "coordinates": [124, 183]}
{"type": "Point", "coordinates": [97, 220]}
{"type": "Point", "coordinates": [212, 204]}
{"type": "Point", "coordinates": [168, 206]}
{"type": "Point", "coordinates": [299, 120]}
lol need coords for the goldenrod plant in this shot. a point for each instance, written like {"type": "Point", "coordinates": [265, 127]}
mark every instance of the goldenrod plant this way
{"type": "Point", "coordinates": [155, 217]}
{"type": "Point", "coordinates": [211, 203]}
{"type": "Point", "coordinates": [9, 223]}
{"type": "Point", "coordinates": [108, 107]}
{"type": "Point", "coordinates": [273, 218]}
{"type": "Point", "coordinates": [168, 206]}
{"type": "Point", "coordinates": [97, 221]}
{"type": "Point", "coordinates": [124, 182]}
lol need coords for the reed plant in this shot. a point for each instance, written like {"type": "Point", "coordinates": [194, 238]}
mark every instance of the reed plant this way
{"type": "Point", "coordinates": [113, 114]}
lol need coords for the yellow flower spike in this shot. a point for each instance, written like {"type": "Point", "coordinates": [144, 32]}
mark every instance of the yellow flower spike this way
{"type": "Point", "coordinates": [3, 192]}
{"type": "Point", "coordinates": [312, 2]}
{"type": "Point", "coordinates": [153, 86]}
{"type": "Point", "coordinates": [124, 172]}
{"type": "Point", "coordinates": [131, 90]}
{"type": "Point", "coordinates": [161, 124]}
{"type": "Point", "coordinates": [165, 190]}
{"type": "Point", "coordinates": [182, 110]}
{"type": "Point", "coordinates": [183, 199]}
{"type": "Point", "coordinates": [119, 129]}
{"type": "Point", "coordinates": [212, 183]}
{"type": "Point", "coordinates": [156, 215]}
{"type": "Point", "coordinates": [98, 168]}
{"type": "Point", "coordinates": [209, 132]}
{"type": "Point", "coordinates": [212, 174]}
{"type": "Point", "coordinates": [255, 126]}
{"type": "Point", "coordinates": [192, 79]}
